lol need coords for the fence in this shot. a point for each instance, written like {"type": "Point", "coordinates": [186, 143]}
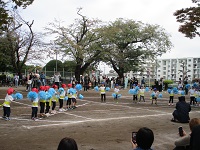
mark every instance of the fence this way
{"type": "Point", "coordinates": [7, 78]}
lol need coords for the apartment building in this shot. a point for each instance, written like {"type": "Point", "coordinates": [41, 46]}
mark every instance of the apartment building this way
{"type": "Point", "coordinates": [149, 71]}
{"type": "Point", "coordinates": [173, 69]}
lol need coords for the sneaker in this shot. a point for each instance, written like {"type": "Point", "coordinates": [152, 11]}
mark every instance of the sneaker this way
{"type": "Point", "coordinates": [60, 110]}
{"type": "Point", "coordinates": [53, 111]}
{"type": "Point", "coordinates": [35, 119]}
{"type": "Point", "coordinates": [3, 117]}
{"type": "Point", "coordinates": [7, 119]}
{"type": "Point", "coordinates": [63, 109]}
{"type": "Point", "coordinates": [172, 104]}
{"type": "Point", "coordinates": [169, 104]}
{"type": "Point", "coordinates": [47, 114]}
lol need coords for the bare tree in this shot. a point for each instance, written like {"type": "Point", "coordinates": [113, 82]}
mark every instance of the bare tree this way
{"type": "Point", "coordinates": [22, 43]}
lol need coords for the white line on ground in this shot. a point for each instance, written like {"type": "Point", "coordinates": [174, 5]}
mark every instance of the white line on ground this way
{"type": "Point", "coordinates": [21, 103]}
{"type": "Point", "coordinates": [96, 120]}
{"type": "Point", "coordinates": [75, 115]}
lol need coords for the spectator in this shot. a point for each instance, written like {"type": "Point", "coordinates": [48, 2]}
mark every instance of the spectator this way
{"type": "Point", "coordinates": [42, 78]}
{"type": "Point", "coordinates": [67, 144]}
{"type": "Point", "coordinates": [155, 84]}
{"type": "Point", "coordinates": [183, 142]}
{"type": "Point", "coordinates": [29, 79]}
{"type": "Point", "coordinates": [144, 139]}
{"type": "Point", "coordinates": [143, 82]}
{"type": "Point", "coordinates": [57, 77]}
{"type": "Point", "coordinates": [3, 76]}
{"type": "Point", "coordinates": [181, 114]}
{"type": "Point", "coordinates": [86, 82]}
{"type": "Point", "coordinates": [195, 138]}
{"type": "Point", "coordinates": [125, 82]}
{"type": "Point", "coordinates": [16, 80]}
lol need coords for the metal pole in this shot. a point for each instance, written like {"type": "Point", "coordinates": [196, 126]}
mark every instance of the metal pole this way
{"type": "Point", "coordinates": [56, 61]}
{"type": "Point", "coordinates": [149, 81]}
{"type": "Point", "coordinates": [63, 72]}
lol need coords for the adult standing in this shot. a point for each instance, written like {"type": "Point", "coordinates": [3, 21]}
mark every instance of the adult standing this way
{"type": "Point", "coordinates": [29, 81]}
{"type": "Point", "coordinates": [143, 82]}
{"type": "Point", "coordinates": [86, 82]}
{"type": "Point", "coordinates": [125, 82]}
{"type": "Point", "coordinates": [37, 79]}
{"type": "Point", "coordinates": [16, 80]}
{"type": "Point", "coordinates": [43, 78]}
{"type": "Point", "coordinates": [57, 77]}
{"type": "Point", "coordinates": [155, 84]}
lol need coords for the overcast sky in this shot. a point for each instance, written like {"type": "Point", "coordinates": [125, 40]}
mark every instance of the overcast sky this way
{"type": "Point", "coordinates": [148, 11]}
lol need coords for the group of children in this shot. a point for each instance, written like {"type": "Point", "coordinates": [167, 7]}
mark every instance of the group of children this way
{"type": "Point", "coordinates": [48, 96]}
{"type": "Point", "coordinates": [44, 98]}
{"type": "Point", "coordinates": [138, 92]}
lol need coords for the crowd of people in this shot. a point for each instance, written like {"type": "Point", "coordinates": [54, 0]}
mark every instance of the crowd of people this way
{"type": "Point", "coordinates": [144, 137]}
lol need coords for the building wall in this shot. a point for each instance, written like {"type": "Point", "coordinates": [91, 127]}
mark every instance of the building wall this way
{"type": "Point", "coordinates": [173, 69]}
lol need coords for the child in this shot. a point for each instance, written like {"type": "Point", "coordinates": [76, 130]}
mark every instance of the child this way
{"type": "Point", "coordinates": [34, 104]}
{"type": "Point", "coordinates": [135, 98]}
{"type": "Point", "coordinates": [42, 100]}
{"type": "Point", "coordinates": [54, 99]}
{"type": "Point", "coordinates": [47, 101]}
{"type": "Point", "coordinates": [180, 91]}
{"type": "Point", "coordinates": [197, 97]}
{"type": "Point", "coordinates": [62, 92]}
{"type": "Point", "coordinates": [154, 96]}
{"type": "Point", "coordinates": [192, 96]}
{"type": "Point", "coordinates": [171, 96]}
{"type": "Point", "coordinates": [69, 94]}
{"type": "Point", "coordinates": [116, 91]}
{"type": "Point", "coordinates": [141, 93]}
{"type": "Point", "coordinates": [74, 95]}
{"type": "Point", "coordinates": [102, 90]}
{"type": "Point", "coordinates": [6, 104]}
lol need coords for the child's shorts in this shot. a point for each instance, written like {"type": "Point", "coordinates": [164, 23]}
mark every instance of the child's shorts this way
{"type": "Point", "coordinates": [73, 100]}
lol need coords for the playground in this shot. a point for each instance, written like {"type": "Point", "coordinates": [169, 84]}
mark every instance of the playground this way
{"type": "Point", "coordinates": [94, 125]}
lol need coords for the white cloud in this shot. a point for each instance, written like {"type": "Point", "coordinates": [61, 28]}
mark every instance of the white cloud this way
{"type": "Point", "coordinates": [148, 11]}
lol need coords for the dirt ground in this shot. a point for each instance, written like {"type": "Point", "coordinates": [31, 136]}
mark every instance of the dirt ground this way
{"type": "Point", "coordinates": [94, 125]}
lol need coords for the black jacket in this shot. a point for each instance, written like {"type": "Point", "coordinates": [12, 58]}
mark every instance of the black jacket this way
{"type": "Point", "coordinates": [183, 110]}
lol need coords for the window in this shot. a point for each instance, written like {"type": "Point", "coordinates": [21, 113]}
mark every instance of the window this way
{"type": "Point", "coordinates": [189, 60]}
{"type": "Point", "coordinates": [189, 75]}
{"type": "Point", "coordinates": [158, 70]}
{"type": "Point", "coordinates": [189, 65]}
{"type": "Point", "coordinates": [164, 68]}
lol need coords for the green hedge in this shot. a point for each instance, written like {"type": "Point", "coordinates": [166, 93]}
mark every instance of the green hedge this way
{"type": "Point", "coordinates": [167, 82]}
